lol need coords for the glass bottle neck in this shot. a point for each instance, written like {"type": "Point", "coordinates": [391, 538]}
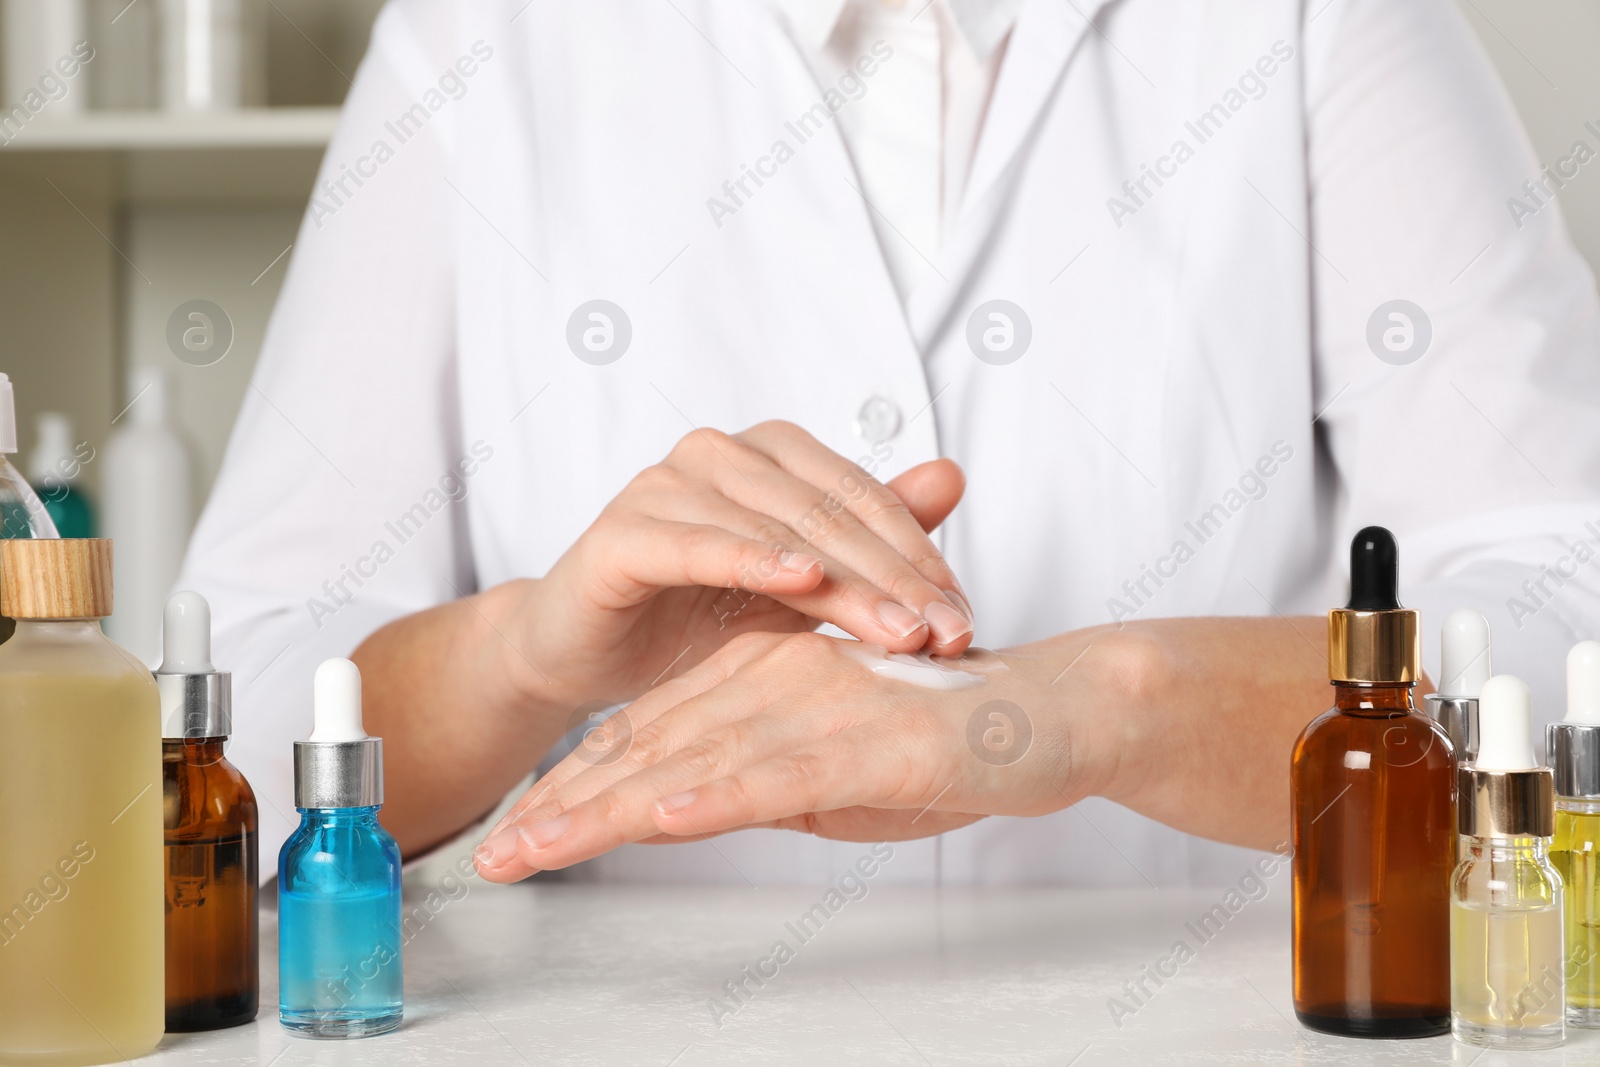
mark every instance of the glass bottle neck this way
{"type": "Point", "coordinates": [366, 816]}
{"type": "Point", "coordinates": [59, 628]}
{"type": "Point", "coordinates": [1378, 700]}
{"type": "Point", "coordinates": [200, 751]}
{"type": "Point", "coordinates": [1503, 848]}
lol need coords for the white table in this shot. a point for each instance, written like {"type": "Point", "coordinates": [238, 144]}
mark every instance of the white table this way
{"type": "Point", "coordinates": [572, 974]}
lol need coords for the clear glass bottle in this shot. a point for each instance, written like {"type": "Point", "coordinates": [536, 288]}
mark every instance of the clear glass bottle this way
{"type": "Point", "coordinates": [81, 955]}
{"type": "Point", "coordinates": [1372, 782]}
{"type": "Point", "coordinates": [1508, 967]}
{"type": "Point", "coordinates": [1575, 852]}
{"type": "Point", "coordinates": [22, 513]}
{"type": "Point", "coordinates": [213, 938]}
{"type": "Point", "coordinates": [339, 933]}
{"type": "Point", "coordinates": [1574, 749]}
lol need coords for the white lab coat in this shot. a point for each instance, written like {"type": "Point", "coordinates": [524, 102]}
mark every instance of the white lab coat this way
{"type": "Point", "coordinates": [1199, 372]}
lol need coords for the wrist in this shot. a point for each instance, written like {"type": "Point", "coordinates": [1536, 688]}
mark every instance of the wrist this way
{"type": "Point", "coordinates": [1099, 691]}
{"type": "Point", "coordinates": [509, 616]}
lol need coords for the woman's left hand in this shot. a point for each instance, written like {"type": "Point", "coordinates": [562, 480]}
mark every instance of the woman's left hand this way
{"type": "Point", "coordinates": [789, 731]}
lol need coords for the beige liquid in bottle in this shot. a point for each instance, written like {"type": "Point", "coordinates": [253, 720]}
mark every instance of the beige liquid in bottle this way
{"type": "Point", "coordinates": [81, 891]}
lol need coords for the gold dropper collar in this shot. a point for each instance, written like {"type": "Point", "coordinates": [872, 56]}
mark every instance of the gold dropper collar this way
{"type": "Point", "coordinates": [1381, 647]}
{"type": "Point", "coordinates": [1505, 803]}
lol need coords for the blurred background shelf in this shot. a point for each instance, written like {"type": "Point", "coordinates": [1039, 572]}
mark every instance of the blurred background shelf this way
{"type": "Point", "coordinates": [154, 131]}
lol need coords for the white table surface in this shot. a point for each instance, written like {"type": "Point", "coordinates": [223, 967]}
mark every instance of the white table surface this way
{"type": "Point", "coordinates": [576, 974]}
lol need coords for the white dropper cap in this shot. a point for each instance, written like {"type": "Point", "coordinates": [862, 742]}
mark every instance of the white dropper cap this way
{"type": "Point", "coordinates": [1465, 654]}
{"type": "Point", "coordinates": [53, 459]}
{"type": "Point", "coordinates": [1583, 684]}
{"type": "Point", "coordinates": [196, 698]}
{"type": "Point", "coordinates": [8, 415]}
{"type": "Point", "coordinates": [186, 635]}
{"type": "Point", "coordinates": [336, 702]}
{"type": "Point", "coordinates": [1505, 725]}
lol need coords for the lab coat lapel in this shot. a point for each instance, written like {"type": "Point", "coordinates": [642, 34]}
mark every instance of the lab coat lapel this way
{"type": "Point", "coordinates": [1046, 33]}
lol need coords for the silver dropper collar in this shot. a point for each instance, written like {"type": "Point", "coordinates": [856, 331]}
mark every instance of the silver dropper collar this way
{"type": "Point", "coordinates": [1574, 751]}
{"type": "Point", "coordinates": [194, 706]}
{"type": "Point", "coordinates": [196, 698]}
{"type": "Point", "coordinates": [1458, 716]}
{"type": "Point", "coordinates": [338, 774]}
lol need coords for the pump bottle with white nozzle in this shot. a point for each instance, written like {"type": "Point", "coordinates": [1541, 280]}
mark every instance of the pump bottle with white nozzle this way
{"type": "Point", "coordinates": [339, 936]}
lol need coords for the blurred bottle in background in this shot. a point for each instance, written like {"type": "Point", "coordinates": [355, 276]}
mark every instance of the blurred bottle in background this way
{"type": "Point", "coordinates": [22, 513]}
{"type": "Point", "coordinates": [213, 55]}
{"type": "Point", "coordinates": [37, 33]}
{"type": "Point", "coordinates": [53, 468]}
{"type": "Point", "coordinates": [124, 75]}
{"type": "Point", "coordinates": [148, 512]}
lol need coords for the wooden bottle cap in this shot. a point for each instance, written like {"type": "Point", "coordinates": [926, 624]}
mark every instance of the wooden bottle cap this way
{"type": "Point", "coordinates": [55, 578]}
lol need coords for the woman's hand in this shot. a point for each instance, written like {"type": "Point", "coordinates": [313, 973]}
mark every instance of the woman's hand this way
{"type": "Point", "coordinates": [762, 530]}
{"type": "Point", "coordinates": [792, 732]}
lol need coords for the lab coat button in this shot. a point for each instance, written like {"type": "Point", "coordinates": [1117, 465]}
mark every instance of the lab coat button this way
{"type": "Point", "coordinates": [878, 419]}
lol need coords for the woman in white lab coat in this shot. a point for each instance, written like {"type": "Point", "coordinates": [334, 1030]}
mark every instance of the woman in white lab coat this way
{"type": "Point", "coordinates": [624, 344]}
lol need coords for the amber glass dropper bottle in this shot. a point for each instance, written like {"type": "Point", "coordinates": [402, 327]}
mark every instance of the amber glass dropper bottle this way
{"type": "Point", "coordinates": [213, 969]}
{"type": "Point", "coordinates": [1373, 787]}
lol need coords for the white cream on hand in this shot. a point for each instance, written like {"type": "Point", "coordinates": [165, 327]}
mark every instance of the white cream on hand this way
{"type": "Point", "coordinates": [923, 670]}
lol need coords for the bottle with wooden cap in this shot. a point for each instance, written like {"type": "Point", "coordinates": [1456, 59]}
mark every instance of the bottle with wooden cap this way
{"type": "Point", "coordinates": [81, 926]}
{"type": "Point", "coordinates": [1509, 984]}
{"type": "Point", "coordinates": [1372, 782]}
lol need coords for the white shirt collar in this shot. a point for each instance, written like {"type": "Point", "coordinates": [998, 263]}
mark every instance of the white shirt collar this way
{"type": "Point", "coordinates": [983, 23]}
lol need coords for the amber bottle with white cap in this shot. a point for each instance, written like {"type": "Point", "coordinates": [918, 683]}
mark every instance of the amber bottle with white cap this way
{"type": "Point", "coordinates": [80, 799]}
{"type": "Point", "coordinates": [1372, 783]}
{"type": "Point", "coordinates": [213, 968]}
{"type": "Point", "coordinates": [1507, 971]}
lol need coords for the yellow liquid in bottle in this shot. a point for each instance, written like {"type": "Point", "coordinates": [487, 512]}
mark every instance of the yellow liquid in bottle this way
{"type": "Point", "coordinates": [1575, 851]}
{"type": "Point", "coordinates": [1506, 969]}
{"type": "Point", "coordinates": [81, 892]}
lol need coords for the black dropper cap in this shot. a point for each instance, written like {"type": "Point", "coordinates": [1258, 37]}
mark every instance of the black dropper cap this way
{"type": "Point", "coordinates": [1373, 641]}
{"type": "Point", "coordinates": [1374, 571]}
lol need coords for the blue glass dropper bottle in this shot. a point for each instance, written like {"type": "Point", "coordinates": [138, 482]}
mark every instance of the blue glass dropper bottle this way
{"type": "Point", "coordinates": [339, 933]}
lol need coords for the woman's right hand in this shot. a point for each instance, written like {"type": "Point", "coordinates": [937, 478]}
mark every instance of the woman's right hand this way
{"type": "Point", "coordinates": [761, 530]}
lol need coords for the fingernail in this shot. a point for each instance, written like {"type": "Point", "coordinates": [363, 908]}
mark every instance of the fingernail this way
{"type": "Point", "coordinates": [798, 562]}
{"type": "Point", "coordinates": [675, 803]}
{"type": "Point", "coordinates": [960, 601]}
{"type": "Point", "coordinates": [901, 620]}
{"type": "Point", "coordinates": [543, 834]}
{"type": "Point", "coordinates": [497, 850]}
{"type": "Point", "coordinates": [945, 622]}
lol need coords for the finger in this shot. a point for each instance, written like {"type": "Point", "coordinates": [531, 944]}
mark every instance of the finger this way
{"type": "Point", "coordinates": [850, 491]}
{"type": "Point", "coordinates": [842, 511]}
{"type": "Point", "coordinates": [841, 596]}
{"type": "Point", "coordinates": [822, 777]}
{"type": "Point", "coordinates": [626, 811]}
{"type": "Point", "coordinates": [637, 557]}
{"type": "Point", "coordinates": [930, 490]}
{"type": "Point", "coordinates": [546, 797]}
{"type": "Point", "coordinates": [702, 737]}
